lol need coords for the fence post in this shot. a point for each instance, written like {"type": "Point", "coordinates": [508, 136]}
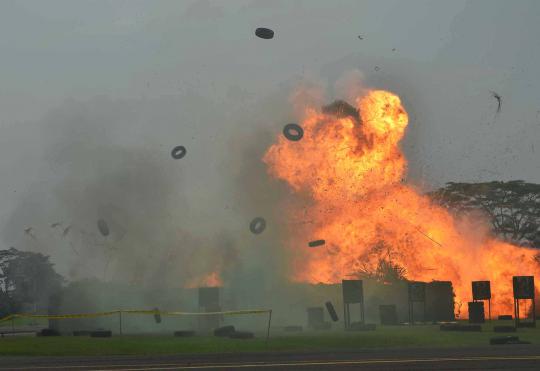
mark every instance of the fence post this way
{"type": "Point", "coordinates": [269, 321]}
{"type": "Point", "coordinates": [120, 320]}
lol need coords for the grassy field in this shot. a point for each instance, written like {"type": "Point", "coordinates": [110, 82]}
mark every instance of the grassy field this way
{"type": "Point", "coordinates": [391, 336]}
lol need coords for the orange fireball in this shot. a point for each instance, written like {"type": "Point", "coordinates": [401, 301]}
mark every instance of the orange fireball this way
{"type": "Point", "coordinates": [351, 170]}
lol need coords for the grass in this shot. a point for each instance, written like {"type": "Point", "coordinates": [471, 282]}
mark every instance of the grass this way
{"type": "Point", "coordinates": [20, 322]}
{"type": "Point", "coordinates": [383, 337]}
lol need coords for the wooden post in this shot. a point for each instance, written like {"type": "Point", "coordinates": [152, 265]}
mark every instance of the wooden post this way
{"type": "Point", "coordinates": [516, 312]}
{"type": "Point", "coordinates": [269, 321]}
{"type": "Point", "coordinates": [120, 320]}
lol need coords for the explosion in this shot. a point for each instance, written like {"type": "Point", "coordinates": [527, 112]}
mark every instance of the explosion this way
{"type": "Point", "coordinates": [210, 280]}
{"type": "Point", "coordinates": [351, 171]}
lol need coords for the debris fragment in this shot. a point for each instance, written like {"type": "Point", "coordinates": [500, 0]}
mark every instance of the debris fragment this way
{"type": "Point", "coordinates": [499, 100]}
{"type": "Point", "coordinates": [264, 33]}
{"type": "Point", "coordinates": [54, 225]}
{"type": "Point", "coordinates": [224, 331]}
{"type": "Point", "coordinates": [331, 311]}
{"type": "Point", "coordinates": [361, 37]}
{"type": "Point", "coordinates": [48, 332]}
{"type": "Point", "coordinates": [377, 68]}
{"type": "Point", "coordinates": [178, 152]}
{"type": "Point", "coordinates": [500, 340]}
{"type": "Point", "coordinates": [293, 132]}
{"type": "Point", "coordinates": [340, 108]}
{"type": "Point", "coordinates": [66, 231]}
{"type": "Point", "coordinates": [30, 232]}
{"type": "Point", "coordinates": [257, 225]}
{"type": "Point", "coordinates": [103, 227]}
{"type": "Point", "coordinates": [242, 335]}
{"type": "Point", "coordinates": [316, 243]}
{"type": "Point", "coordinates": [184, 333]}
{"type": "Point", "coordinates": [157, 316]}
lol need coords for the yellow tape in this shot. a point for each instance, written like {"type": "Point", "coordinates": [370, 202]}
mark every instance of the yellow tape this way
{"type": "Point", "coordinates": [132, 311]}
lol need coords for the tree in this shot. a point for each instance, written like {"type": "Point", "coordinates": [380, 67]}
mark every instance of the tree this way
{"type": "Point", "coordinates": [512, 207]}
{"type": "Point", "coordinates": [26, 278]}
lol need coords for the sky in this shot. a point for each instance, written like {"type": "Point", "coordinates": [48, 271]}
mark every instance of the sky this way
{"type": "Point", "coordinates": [81, 81]}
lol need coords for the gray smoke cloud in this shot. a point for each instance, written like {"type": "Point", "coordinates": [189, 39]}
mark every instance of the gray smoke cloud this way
{"type": "Point", "coordinates": [172, 222]}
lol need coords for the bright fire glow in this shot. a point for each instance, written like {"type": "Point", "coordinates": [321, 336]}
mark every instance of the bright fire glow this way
{"type": "Point", "coordinates": [210, 280]}
{"type": "Point", "coordinates": [351, 172]}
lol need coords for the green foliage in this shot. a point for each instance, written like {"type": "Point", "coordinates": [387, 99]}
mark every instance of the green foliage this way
{"type": "Point", "coordinates": [25, 278]}
{"type": "Point", "coordinates": [512, 207]}
{"type": "Point", "coordinates": [386, 272]}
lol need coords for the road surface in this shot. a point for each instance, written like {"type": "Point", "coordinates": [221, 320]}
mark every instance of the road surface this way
{"type": "Point", "coordinates": [505, 357]}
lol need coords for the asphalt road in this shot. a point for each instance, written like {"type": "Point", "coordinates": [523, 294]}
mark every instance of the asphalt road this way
{"type": "Point", "coordinates": [505, 357]}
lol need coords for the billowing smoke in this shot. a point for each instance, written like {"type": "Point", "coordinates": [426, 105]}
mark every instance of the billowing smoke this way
{"type": "Point", "coordinates": [106, 166]}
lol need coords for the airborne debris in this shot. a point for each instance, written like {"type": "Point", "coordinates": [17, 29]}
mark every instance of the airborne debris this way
{"type": "Point", "coordinates": [264, 33]}
{"type": "Point", "coordinates": [54, 225]}
{"type": "Point", "coordinates": [30, 232]}
{"type": "Point", "coordinates": [103, 227]}
{"type": "Point", "coordinates": [257, 225]}
{"type": "Point", "coordinates": [66, 231]}
{"type": "Point", "coordinates": [293, 132]}
{"type": "Point", "coordinates": [340, 109]}
{"type": "Point", "coordinates": [331, 311]}
{"type": "Point", "coordinates": [316, 243]}
{"type": "Point", "coordinates": [178, 152]}
{"type": "Point", "coordinates": [224, 331]}
{"type": "Point", "coordinates": [499, 100]}
{"type": "Point", "coordinates": [157, 315]}
{"type": "Point", "coordinates": [361, 37]}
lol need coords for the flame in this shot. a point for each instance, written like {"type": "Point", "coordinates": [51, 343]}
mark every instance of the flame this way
{"type": "Point", "coordinates": [210, 280]}
{"type": "Point", "coordinates": [351, 172]}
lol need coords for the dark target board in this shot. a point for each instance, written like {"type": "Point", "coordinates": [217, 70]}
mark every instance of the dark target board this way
{"type": "Point", "coordinates": [523, 287]}
{"type": "Point", "coordinates": [481, 290]}
{"type": "Point", "coordinates": [417, 291]}
{"type": "Point", "coordinates": [417, 294]}
{"type": "Point", "coordinates": [353, 291]}
{"type": "Point", "coordinates": [208, 297]}
{"type": "Point", "coordinates": [476, 312]}
{"type": "Point", "coordinates": [524, 290]}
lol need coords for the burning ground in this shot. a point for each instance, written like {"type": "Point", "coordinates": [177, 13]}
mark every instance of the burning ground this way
{"type": "Point", "coordinates": [349, 171]}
